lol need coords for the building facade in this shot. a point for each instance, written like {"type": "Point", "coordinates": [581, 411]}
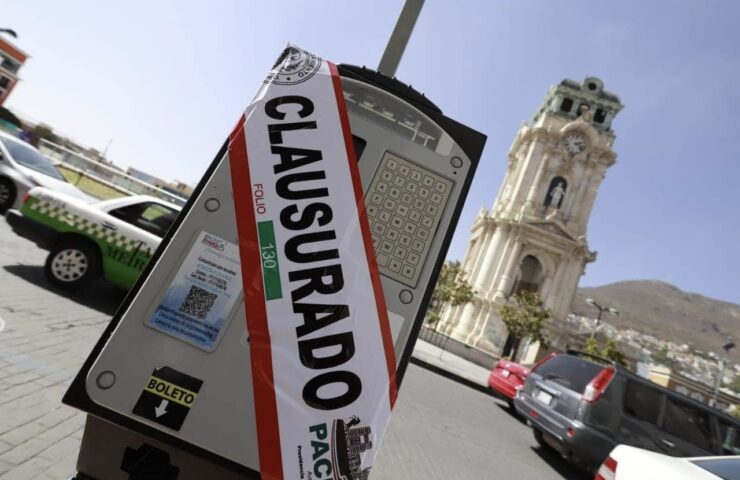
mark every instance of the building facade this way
{"type": "Point", "coordinates": [534, 237]}
{"type": "Point", "coordinates": [12, 59]}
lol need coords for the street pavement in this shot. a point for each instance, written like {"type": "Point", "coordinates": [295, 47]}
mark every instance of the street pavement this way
{"type": "Point", "coordinates": [440, 429]}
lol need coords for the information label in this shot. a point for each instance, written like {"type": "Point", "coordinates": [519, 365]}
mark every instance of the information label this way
{"type": "Point", "coordinates": [197, 304]}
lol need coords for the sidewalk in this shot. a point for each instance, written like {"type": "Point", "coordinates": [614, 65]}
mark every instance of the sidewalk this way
{"type": "Point", "coordinates": [451, 366]}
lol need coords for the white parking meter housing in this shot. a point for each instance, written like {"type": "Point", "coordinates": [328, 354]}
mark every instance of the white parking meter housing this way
{"type": "Point", "coordinates": [168, 388]}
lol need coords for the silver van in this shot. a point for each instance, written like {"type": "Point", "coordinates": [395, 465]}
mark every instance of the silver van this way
{"type": "Point", "coordinates": [22, 167]}
{"type": "Point", "coordinates": [583, 406]}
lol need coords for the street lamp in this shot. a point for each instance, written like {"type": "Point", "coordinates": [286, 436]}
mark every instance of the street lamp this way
{"type": "Point", "coordinates": [722, 362]}
{"type": "Point", "coordinates": [602, 309]}
{"type": "Point", "coordinates": [9, 32]}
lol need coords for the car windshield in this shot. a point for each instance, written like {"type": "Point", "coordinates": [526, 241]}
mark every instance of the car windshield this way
{"type": "Point", "coordinates": [571, 372]}
{"type": "Point", "coordinates": [30, 158]}
{"type": "Point", "coordinates": [727, 468]}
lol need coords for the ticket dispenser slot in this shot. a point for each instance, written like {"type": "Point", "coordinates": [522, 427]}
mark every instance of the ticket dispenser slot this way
{"type": "Point", "coordinates": [190, 392]}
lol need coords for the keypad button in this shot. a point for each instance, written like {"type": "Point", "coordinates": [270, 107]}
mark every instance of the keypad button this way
{"type": "Point", "coordinates": [413, 259]}
{"type": "Point", "coordinates": [416, 245]}
{"type": "Point", "coordinates": [404, 240]}
{"type": "Point", "coordinates": [407, 198]}
{"type": "Point", "coordinates": [394, 265]}
{"type": "Point", "coordinates": [432, 209]}
{"type": "Point", "coordinates": [440, 187]}
{"type": "Point", "coordinates": [397, 221]}
{"type": "Point", "coordinates": [408, 271]}
{"type": "Point", "coordinates": [389, 204]}
{"type": "Point", "coordinates": [404, 170]}
{"type": "Point", "coordinates": [382, 259]}
{"type": "Point", "coordinates": [387, 175]}
{"type": "Point", "coordinates": [372, 210]}
{"type": "Point", "coordinates": [379, 228]}
{"type": "Point", "coordinates": [387, 247]}
{"type": "Point", "coordinates": [428, 181]}
{"type": "Point", "coordinates": [384, 216]}
{"type": "Point", "coordinates": [391, 234]}
{"type": "Point", "coordinates": [412, 187]}
{"type": "Point", "coordinates": [414, 215]}
{"type": "Point", "coordinates": [394, 192]}
{"type": "Point", "coordinates": [376, 241]}
{"type": "Point", "coordinates": [409, 228]}
{"type": "Point", "coordinates": [376, 198]}
{"type": "Point", "coordinates": [392, 164]}
{"type": "Point", "coordinates": [418, 204]}
{"type": "Point", "coordinates": [416, 176]}
{"type": "Point", "coordinates": [435, 198]}
{"type": "Point", "coordinates": [399, 182]}
{"type": "Point", "coordinates": [427, 221]}
{"type": "Point", "coordinates": [382, 187]}
{"type": "Point", "coordinates": [402, 210]}
{"type": "Point", "coordinates": [424, 192]}
{"type": "Point", "coordinates": [422, 233]}
{"type": "Point", "coordinates": [400, 252]}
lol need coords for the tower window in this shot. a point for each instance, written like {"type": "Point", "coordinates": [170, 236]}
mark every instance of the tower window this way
{"type": "Point", "coordinates": [600, 115]}
{"type": "Point", "coordinates": [566, 105]}
{"type": "Point", "coordinates": [592, 86]}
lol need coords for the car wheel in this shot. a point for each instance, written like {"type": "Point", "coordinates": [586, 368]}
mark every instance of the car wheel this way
{"type": "Point", "coordinates": [540, 439]}
{"type": "Point", "coordinates": [7, 194]}
{"type": "Point", "coordinates": [73, 264]}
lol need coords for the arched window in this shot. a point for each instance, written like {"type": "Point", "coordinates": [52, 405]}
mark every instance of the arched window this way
{"type": "Point", "coordinates": [530, 275]}
{"type": "Point", "coordinates": [556, 192]}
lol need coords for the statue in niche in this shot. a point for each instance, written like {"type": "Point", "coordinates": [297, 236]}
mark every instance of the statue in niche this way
{"type": "Point", "coordinates": [556, 193]}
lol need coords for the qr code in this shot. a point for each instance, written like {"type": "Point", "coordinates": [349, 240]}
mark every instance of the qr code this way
{"type": "Point", "coordinates": [198, 303]}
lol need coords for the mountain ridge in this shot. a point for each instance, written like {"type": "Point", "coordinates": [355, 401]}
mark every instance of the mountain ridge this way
{"type": "Point", "coordinates": [665, 311]}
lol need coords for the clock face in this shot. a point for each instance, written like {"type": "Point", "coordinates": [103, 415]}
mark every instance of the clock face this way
{"type": "Point", "coordinates": [574, 143]}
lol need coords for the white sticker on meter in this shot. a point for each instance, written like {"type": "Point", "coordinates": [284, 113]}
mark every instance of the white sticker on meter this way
{"type": "Point", "coordinates": [197, 304]}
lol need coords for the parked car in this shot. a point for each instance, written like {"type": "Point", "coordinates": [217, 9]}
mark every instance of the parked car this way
{"type": "Point", "coordinates": [22, 167]}
{"type": "Point", "coordinates": [113, 239]}
{"type": "Point", "coordinates": [584, 406]}
{"type": "Point", "coordinates": [506, 379]}
{"type": "Point", "coordinates": [630, 463]}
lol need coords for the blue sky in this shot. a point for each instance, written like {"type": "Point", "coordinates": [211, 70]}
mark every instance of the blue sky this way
{"type": "Point", "coordinates": [166, 80]}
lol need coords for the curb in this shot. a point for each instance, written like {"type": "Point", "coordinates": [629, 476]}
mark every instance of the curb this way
{"type": "Point", "coordinates": [452, 376]}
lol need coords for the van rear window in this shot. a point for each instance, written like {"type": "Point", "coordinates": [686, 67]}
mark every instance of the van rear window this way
{"type": "Point", "coordinates": [571, 372]}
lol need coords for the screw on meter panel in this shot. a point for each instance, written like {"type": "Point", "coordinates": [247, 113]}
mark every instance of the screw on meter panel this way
{"type": "Point", "coordinates": [270, 267]}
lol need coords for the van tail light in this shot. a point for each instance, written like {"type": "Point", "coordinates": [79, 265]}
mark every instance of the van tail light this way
{"type": "Point", "coordinates": [596, 388]}
{"type": "Point", "coordinates": [25, 197]}
{"type": "Point", "coordinates": [542, 360]}
{"type": "Point", "coordinates": [608, 470]}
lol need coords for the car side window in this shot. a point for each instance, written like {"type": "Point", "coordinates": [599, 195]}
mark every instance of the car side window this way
{"type": "Point", "coordinates": [642, 402]}
{"type": "Point", "coordinates": [688, 423]}
{"type": "Point", "coordinates": [152, 217]}
{"type": "Point", "coordinates": [730, 438]}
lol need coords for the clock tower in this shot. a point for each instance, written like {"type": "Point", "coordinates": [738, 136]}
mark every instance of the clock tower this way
{"type": "Point", "coordinates": [534, 237]}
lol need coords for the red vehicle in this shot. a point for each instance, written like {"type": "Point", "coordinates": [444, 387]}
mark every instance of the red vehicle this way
{"type": "Point", "coordinates": [506, 379]}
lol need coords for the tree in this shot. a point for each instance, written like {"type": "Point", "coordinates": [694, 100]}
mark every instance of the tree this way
{"type": "Point", "coordinates": [525, 319]}
{"type": "Point", "coordinates": [592, 347]}
{"type": "Point", "coordinates": [451, 288]}
{"type": "Point", "coordinates": [734, 385]}
{"type": "Point", "coordinates": [612, 352]}
{"type": "Point", "coordinates": [609, 352]}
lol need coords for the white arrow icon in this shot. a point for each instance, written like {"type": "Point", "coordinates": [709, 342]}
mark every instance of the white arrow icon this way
{"type": "Point", "coordinates": [161, 409]}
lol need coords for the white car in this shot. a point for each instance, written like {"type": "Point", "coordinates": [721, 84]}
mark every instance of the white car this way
{"type": "Point", "coordinates": [113, 239]}
{"type": "Point", "coordinates": [631, 463]}
{"type": "Point", "coordinates": [22, 167]}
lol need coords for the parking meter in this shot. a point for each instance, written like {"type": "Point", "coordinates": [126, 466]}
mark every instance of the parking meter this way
{"type": "Point", "coordinates": [174, 399]}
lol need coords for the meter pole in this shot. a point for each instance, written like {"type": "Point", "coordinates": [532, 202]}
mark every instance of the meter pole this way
{"type": "Point", "coordinates": [400, 37]}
